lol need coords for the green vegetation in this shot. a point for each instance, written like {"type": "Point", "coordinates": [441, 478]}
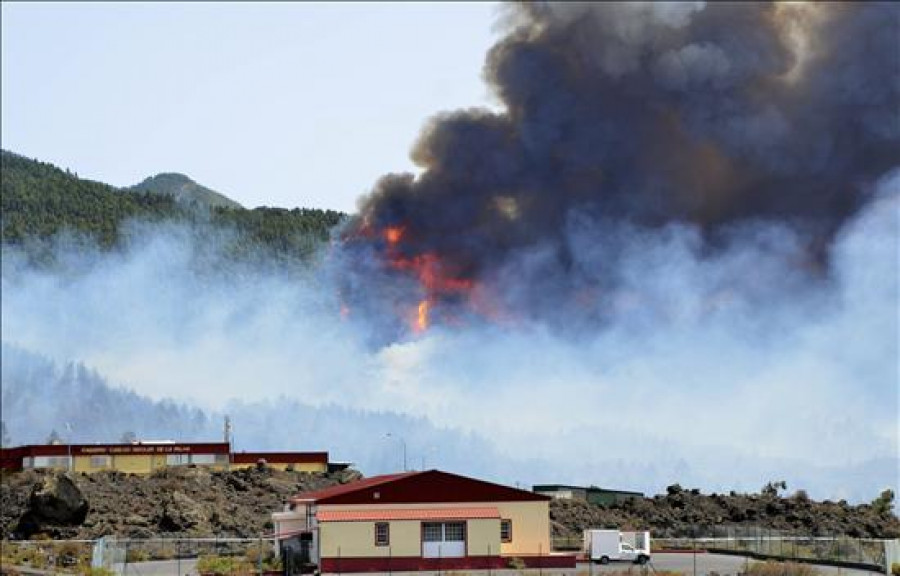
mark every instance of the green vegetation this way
{"type": "Point", "coordinates": [59, 557]}
{"type": "Point", "coordinates": [781, 569]}
{"type": "Point", "coordinates": [223, 565]}
{"type": "Point", "coordinates": [184, 190]}
{"type": "Point", "coordinates": [41, 201]}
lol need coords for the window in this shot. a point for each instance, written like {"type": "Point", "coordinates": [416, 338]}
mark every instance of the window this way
{"type": "Point", "coordinates": [432, 532]}
{"type": "Point", "coordinates": [203, 459]}
{"type": "Point", "coordinates": [506, 530]}
{"type": "Point", "coordinates": [177, 459]}
{"type": "Point", "coordinates": [454, 532]}
{"type": "Point", "coordinates": [382, 533]}
{"type": "Point", "coordinates": [100, 461]}
{"type": "Point", "coordinates": [221, 458]}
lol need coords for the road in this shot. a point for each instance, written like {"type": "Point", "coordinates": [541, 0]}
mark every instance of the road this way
{"type": "Point", "coordinates": [185, 567]}
{"type": "Point", "coordinates": [722, 564]}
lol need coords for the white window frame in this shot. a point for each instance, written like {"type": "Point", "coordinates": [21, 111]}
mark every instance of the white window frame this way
{"type": "Point", "coordinates": [382, 537]}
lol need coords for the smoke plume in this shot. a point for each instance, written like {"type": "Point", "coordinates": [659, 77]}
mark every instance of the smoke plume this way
{"type": "Point", "coordinates": [671, 256]}
{"type": "Point", "coordinates": [712, 116]}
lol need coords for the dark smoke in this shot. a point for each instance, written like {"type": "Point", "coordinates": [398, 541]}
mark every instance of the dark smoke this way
{"type": "Point", "coordinates": [720, 117]}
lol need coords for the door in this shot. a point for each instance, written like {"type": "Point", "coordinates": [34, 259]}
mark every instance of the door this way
{"type": "Point", "coordinates": [443, 539]}
{"type": "Point", "coordinates": [627, 553]}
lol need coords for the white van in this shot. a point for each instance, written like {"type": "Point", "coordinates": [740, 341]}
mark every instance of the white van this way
{"type": "Point", "coordinates": [605, 546]}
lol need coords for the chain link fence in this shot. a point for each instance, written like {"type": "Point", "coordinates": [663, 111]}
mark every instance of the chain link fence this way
{"type": "Point", "coordinates": [763, 543]}
{"type": "Point", "coordinates": [868, 553]}
{"type": "Point", "coordinates": [145, 557]}
{"type": "Point", "coordinates": [245, 557]}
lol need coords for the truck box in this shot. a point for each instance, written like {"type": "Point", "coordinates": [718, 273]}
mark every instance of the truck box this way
{"type": "Point", "coordinates": [606, 546]}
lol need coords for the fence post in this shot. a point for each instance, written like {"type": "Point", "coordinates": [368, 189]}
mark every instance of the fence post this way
{"type": "Point", "coordinates": [259, 557]}
{"type": "Point", "coordinates": [339, 560]}
{"type": "Point", "coordinates": [390, 558]}
{"type": "Point", "coordinates": [178, 554]}
{"type": "Point", "coordinates": [489, 560]}
{"type": "Point", "coordinates": [540, 559]}
{"type": "Point", "coordinates": [695, 551]}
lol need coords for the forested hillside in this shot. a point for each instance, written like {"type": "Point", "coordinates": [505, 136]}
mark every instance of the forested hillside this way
{"type": "Point", "coordinates": [184, 190]}
{"type": "Point", "coordinates": [40, 201]}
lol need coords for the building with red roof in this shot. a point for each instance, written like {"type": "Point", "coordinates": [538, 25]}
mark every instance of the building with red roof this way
{"type": "Point", "coordinates": [429, 520]}
{"type": "Point", "coordinates": [141, 457]}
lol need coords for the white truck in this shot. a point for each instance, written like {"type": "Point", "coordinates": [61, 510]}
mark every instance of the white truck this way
{"type": "Point", "coordinates": [605, 546]}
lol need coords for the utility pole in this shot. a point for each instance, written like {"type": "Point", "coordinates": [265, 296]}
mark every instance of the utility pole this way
{"type": "Point", "coordinates": [69, 465]}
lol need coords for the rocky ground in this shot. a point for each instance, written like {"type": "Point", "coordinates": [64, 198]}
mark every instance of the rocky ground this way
{"type": "Point", "coordinates": [684, 513]}
{"type": "Point", "coordinates": [197, 502]}
{"type": "Point", "coordinates": [190, 501]}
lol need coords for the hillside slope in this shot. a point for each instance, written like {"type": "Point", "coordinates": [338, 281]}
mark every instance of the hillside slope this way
{"type": "Point", "coordinates": [188, 501]}
{"type": "Point", "coordinates": [684, 513]}
{"type": "Point", "coordinates": [40, 202]}
{"type": "Point", "coordinates": [184, 190]}
{"type": "Point", "coordinates": [196, 502]}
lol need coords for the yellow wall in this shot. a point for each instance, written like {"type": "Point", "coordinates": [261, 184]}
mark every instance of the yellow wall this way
{"type": "Point", "coordinates": [147, 463]}
{"type": "Point", "coordinates": [83, 464]}
{"type": "Point", "coordinates": [357, 539]}
{"type": "Point", "coordinates": [483, 537]}
{"type": "Point", "coordinates": [135, 464]}
{"type": "Point", "coordinates": [530, 528]}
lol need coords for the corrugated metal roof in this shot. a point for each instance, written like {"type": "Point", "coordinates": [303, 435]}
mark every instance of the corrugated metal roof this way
{"type": "Point", "coordinates": [317, 495]}
{"type": "Point", "coordinates": [428, 487]}
{"type": "Point", "coordinates": [406, 514]}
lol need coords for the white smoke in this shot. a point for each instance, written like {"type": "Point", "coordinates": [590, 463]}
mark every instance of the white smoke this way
{"type": "Point", "coordinates": [707, 372]}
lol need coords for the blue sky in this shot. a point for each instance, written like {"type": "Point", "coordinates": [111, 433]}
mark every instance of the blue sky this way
{"type": "Point", "coordinates": [276, 104]}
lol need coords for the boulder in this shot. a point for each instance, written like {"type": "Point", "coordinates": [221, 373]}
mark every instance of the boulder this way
{"type": "Point", "coordinates": [182, 514]}
{"type": "Point", "coordinates": [56, 501]}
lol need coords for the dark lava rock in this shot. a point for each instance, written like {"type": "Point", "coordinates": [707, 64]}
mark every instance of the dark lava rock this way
{"type": "Point", "coordinates": [54, 502]}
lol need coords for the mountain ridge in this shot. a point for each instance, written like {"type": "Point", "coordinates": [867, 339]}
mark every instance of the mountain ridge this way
{"type": "Point", "coordinates": [41, 201]}
{"type": "Point", "coordinates": [184, 190]}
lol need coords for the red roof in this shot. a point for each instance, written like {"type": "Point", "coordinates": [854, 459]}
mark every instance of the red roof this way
{"type": "Point", "coordinates": [429, 487]}
{"type": "Point", "coordinates": [406, 514]}
{"type": "Point", "coordinates": [280, 457]}
{"type": "Point", "coordinates": [32, 450]}
{"type": "Point", "coordinates": [324, 493]}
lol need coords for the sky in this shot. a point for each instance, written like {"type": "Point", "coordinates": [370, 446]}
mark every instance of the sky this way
{"type": "Point", "coordinates": [280, 104]}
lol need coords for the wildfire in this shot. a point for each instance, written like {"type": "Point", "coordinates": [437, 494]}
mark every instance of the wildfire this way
{"type": "Point", "coordinates": [393, 234]}
{"type": "Point", "coordinates": [442, 284]}
{"type": "Point", "coordinates": [422, 316]}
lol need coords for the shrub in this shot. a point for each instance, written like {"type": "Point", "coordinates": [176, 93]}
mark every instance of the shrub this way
{"type": "Point", "coordinates": [137, 555]}
{"type": "Point", "coordinates": [223, 566]}
{"type": "Point", "coordinates": [895, 568]}
{"type": "Point", "coordinates": [91, 571]}
{"type": "Point", "coordinates": [781, 569]}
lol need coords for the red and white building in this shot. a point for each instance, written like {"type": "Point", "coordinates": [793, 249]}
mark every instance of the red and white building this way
{"type": "Point", "coordinates": [428, 520]}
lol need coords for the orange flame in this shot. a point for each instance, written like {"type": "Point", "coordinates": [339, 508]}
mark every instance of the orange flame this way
{"type": "Point", "coordinates": [422, 316]}
{"type": "Point", "coordinates": [393, 234]}
{"type": "Point", "coordinates": [437, 280]}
